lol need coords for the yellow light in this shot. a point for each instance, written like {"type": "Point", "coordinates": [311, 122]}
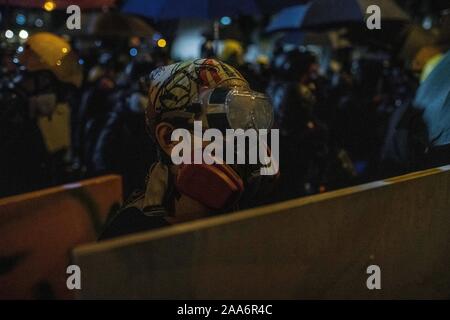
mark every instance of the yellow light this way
{"type": "Point", "coordinates": [58, 63]}
{"type": "Point", "coordinates": [64, 50]}
{"type": "Point", "coordinates": [162, 43]}
{"type": "Point", "coordinates": [49, 5]}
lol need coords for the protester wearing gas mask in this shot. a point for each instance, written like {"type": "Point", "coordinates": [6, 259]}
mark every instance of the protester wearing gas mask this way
{"type": "Point", "coordinates": [180, 94]}
{"type": "Point", "coordinates": [49, 72]}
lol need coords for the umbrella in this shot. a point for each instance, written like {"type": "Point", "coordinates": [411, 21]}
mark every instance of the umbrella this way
{"type": "Point", "coordinates": [205, 9]}
{"type": "Point", "coordinates": [109, 24]}
{"type": "Point", "coordinates": [433, 98]}
{"type": "Point", "coordinates": [60, 4]}
{"type": "Point", "coordinates": [331, 39]}
{"type": "Point", "coordinates": [113, 24]}
{"type": "Point", "coordinates": [331, 13]}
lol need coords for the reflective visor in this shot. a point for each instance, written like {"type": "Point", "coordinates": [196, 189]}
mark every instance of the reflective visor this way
{"type": "Point", "coordinates": [244, 109]}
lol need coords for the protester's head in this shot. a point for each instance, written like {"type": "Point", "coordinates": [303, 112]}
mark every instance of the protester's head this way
{"type": "Point", "coordinates": [175, 91]}
{"type": "Point", "coordinates": [205, 90]}
{"type": "Point", "coordinates": [232, 53]}
{"type": "Point", "coordinates": [51, 71]}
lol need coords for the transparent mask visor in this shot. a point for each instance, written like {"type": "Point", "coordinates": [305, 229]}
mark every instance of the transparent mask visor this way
{"type": "Point", "coordinates": [245, 109]}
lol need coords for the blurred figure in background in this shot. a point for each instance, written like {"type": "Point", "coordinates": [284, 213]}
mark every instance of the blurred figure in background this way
{"type": "Point", "coordinates": [207, 47]}
{"type": "Point", "coordinates": [97, 100]}
{"type": "Point", "coordinates": [314, 161]}
{"type": "Point", "coordinates": [30, 157]}
{"type": "Point", "coordinates": [8, 68]}
{"type": "Point", "coordinates": [123, 145]}
{"type": "Point", "coordinates": [418, 137]}
{"type": "Point", "coordinates": [303, 139]}
{"type": "Point", "coordinates": [433, 102]}
{"type": "Point", "coordinates": [233, 54]}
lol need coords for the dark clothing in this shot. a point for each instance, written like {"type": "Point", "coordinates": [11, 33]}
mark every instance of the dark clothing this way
{"type": "Point", "coordinates": [417, 135]}
{"type": "Point", "coordinates": [303, 140]}
{"type": "Point", "coordinates": [24, 159]}
{"type": "Point", "coordinates": [405, 144]}
{"type": "Point", "coordinates": [96, 102]}
{"type": "Point", "coordinates": [438, 156]}
{"type": "Point", "coordinates": [131, 220]}
{"type": "Point", "coordinates": [257, 81]}
{"type": "Point", "coordinates": [124, 147]}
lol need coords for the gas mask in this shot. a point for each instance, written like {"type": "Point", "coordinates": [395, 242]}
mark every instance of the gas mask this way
{"type": "Point", "coordinates": [236, 108]}
{"type": "Point", "coordinates": [220, 186]}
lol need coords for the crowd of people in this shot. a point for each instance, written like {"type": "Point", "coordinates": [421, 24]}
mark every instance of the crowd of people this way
{"type": "Point", "coordinates": [354, 121]}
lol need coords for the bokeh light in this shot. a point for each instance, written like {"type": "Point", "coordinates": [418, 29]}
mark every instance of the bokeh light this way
{"type": "Point", "coordinates": [133, 52]}
{"type": "Point", "coordinates": [23, 34]}
{"type": "Point", "coordinates": [49, 5]}
{"type": "Point", "coordinates": [9, 34]}
{"type": "Point", "coordinates": [225, 21]}
{"type": "Point", "coordinates": [162, 43]}
{"type": "Point", "coordinates": [21, 19]}
{"type": "Point", "coordinates": [39, 23]}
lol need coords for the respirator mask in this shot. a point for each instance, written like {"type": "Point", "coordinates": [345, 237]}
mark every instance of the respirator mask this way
{"type": "Point", "coordinates": [236, 108]}
{"type": "Point", "coordinates": [220, 186]}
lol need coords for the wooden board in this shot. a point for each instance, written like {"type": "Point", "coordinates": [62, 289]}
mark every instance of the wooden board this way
{"type": "Point", "coordinates": [310, 248]}
{"type": "Point", "coordinates": [39, 229]}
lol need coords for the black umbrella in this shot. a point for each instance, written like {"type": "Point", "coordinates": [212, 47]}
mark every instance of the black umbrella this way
{"type": "Point", "coordinates": [113, 24]}
{"type": "Point", "coordinates": [319, 14]}
{"type": "Point", "coordinates": [205, 9]}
